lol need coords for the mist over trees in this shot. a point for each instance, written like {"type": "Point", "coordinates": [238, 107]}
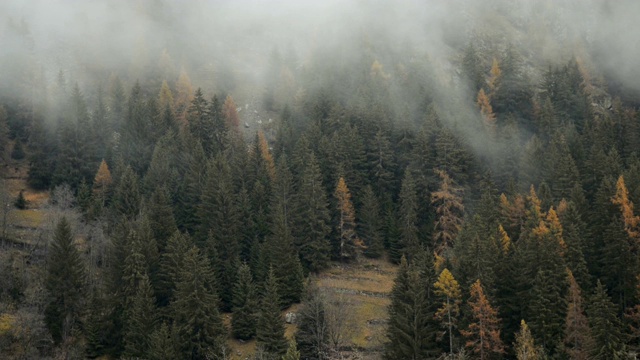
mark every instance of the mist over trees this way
{"type": "Point", "coordinates": [188, 171]}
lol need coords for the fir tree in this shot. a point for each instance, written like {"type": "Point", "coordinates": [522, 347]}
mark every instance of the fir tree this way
{"type": "Point", "coordinates": [346, 226]}
{"type": "Point", "coordinates": [163, 344]}
{"type": "Point", "coordinates": [141, 320]}
{"type": "Point", "coordinates": [409, 215]}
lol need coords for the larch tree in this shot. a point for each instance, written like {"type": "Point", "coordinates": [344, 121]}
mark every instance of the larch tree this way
{"type": "Point", "coordinates": [483, 333]}
{"type": "Point", "coordinates": [265, 155]}
{"type": "Point", "coordinates": [449, 210]}
{"type": "Point", "coordinates": [578, 342]}
{"type": "Point", "coordinates": [494, 79]}
{"type": "Point", "coordinates": [102, 185]}
{"type": "Point", "coordinates": [184, 96]}
{"type": "Point", "coordinates": [524, 347]}
{"type": "Point", "coordinates": [448, 288]}
{"type": "Point", "coordinates": [165, 97]}
{"type": "Point", "coordinates": [65, 283]}
{"type": "Point", "coordinates": [346, 223]}
{"type": "Point", "coordinates": [230, 113]}
{"type": "Point", "coordinates": [292, 352]}
{"type": "Point", "coordinates": [486, 111]}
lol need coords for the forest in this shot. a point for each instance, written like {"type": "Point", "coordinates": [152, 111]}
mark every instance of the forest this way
{"type": "Point", "coordinates": [319, 180]}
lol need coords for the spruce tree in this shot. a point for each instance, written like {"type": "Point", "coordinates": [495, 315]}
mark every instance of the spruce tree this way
{"type": "Point", "coordinates": [270, 324]}
{"type": "Point", "coordinates": [163, 344]}
{"type": "Point", "coordinates": [605, 326]}
{"type": "Point", "coordinates": [370, 224]}
{"type": "Point", "coordinates": [245, 304]}
{"type": "Point", "coordinates": [65, 284]}
{"type": "Point", "coordinates": [141, 320]}
{"type": "Point", "coordinates": [198, 323]}
{"type": "Point", "coordinates": [410, 328]}
{"type": "Point", "coordinates": [312, 218]}
{"type": "Point", "coordinates": [409, 215]}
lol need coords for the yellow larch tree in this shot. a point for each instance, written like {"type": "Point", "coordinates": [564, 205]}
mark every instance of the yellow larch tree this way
{"type": "Point", "coordinates": [525, 347]}
{"type": "Point", "coordinates": [448, 288]}
{"type": "Point", "coordinates": [184, 95]}
{"type": "Point", "coordinates": [266, 156]}
{"type": "Point", "coordinates": [102, 183]}
{"type": "Point", "coordinates": [486, 111]}
{"type": "Point", "coordinates": [494, 77]}
{"type": "Point", "coordinates": [165, 97]}
{"type": "Point", "coordinates": [230, 113]}
{"type": "Point", "coordinates": [483, 333]}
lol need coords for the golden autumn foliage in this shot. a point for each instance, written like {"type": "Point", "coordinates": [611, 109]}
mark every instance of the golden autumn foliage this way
{"type": "Point", "coordinates": [486, 111]}
{"type": "Point", "coordinates": [505, 240]}
{"type": "Point", "coordinates": [448, 288]}
{"type": "Point", "coordinates": [266, 156]}
{"type": "Point", "coordinates": [230, 113]}
{"type": "Point", "coordinates": [102, 181]}
{"type": "Point", "coordinates": [631, 221]}
{"type": "Point", "coordinates": [183, 98]}
{"type": "Point", "coordinates": [483, 334]}
{"type": "Point", "coordinates": [165, 97]}
{"type": "Point", "coordinates": [555, 228]}
{"type": "Point", "coordinates": [524, 346]}
{"type": "Point", "coordinates": [377, 71]}
{"type": "Point", "coordinates": [494, 77]}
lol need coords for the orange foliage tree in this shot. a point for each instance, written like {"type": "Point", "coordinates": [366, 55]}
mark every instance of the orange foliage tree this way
{"type": "Point", "coordinates": [349, 242]}
{"type": "Point", "coordinates": [230, 113]}
{"type": "Point", "coordinates": [483, 334]}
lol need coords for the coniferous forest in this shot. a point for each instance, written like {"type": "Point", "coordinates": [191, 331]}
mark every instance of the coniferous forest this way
{"type": "Point", "coordinates": [200, 180]}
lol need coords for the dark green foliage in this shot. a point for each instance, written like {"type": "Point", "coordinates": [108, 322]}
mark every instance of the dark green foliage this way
{"type": "Point", "coordinates": [18, 152]}
{"type": "Point", "coordinates": [270, 325]}
{"type": "Point", "coordinates": [409, 240]}
{"type": "Point", "coordinates": [161, 219]}
{"type": "Point", "coordinates": [141, 320]}
{"type": "Point", "coordinates": [199, 326]}
{"type": "Point", "coordinates": [311, 218]}
{"type": "Point", "coordinates": [410, 329]}
{"type": "Point", "coordinates": [65, 284]}
{"type": "Point", "coordinates": [21, 202]}
{"type": "Point", "coordinates": [605, 326]}
{"type": "Point", "coordinates": [163, 344]}
{"type": "Point", "coordinates": [370, 224]}
{"type": "Point", "coordinates": [245, 305]}
{"type": "Point", "coordinates": [126, 199]}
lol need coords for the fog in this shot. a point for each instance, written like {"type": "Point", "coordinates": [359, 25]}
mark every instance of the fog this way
{"type": "Point", "coordinates": [227, 45]}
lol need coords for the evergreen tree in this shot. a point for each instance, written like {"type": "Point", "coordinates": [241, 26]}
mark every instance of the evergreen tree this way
{"type": "Point", "coordinates": [313, 330]}
{"type": "Point", "coordinates": [245, 303]}
{"type": "Point", "coordinates": [199, 325]}
{"type": "Point", "coordinates": [312, 218]}
{"type": "Point", "coordinates": [409, 215]}
{"type": "Point", "coordinates": [370, 224]}
{"type": "Point", "coordinates": [292, 352]}
{"type": "Point", "coordinates": [605, 326]}
{"type": "Point", "coordinates": [346, 226]}
{"type": "Point", "coordinates": [141, 320]}
{"type": "Point", "coordinates": [163, 344]}
{"type": "Point", "coordinates": [410, 328]}
{"type": "Point", "coordinates": [270, 324]}
{"type": "Point", "coordinates": [126, 198]}
{"type": "Point", "coordinates": [65, 283]}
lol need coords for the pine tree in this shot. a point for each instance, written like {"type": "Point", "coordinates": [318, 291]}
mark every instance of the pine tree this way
{"type": "Point", "coordinates": [65, 283]}
{"type": "Point", "coordinates": [195, 309]}
{"type": "Point", "coordinates": [270, 324]}
{"type": "Point", "coordinates": [245, 303]}
{"type": "Point", "coordinates": [577, 334]}
{"type": "Point", "coordinates": [524, 347]}
{"type": "Point", "coordinates": [448, 288]}
{"type": "Point", "coordinates": [483, 333]}
{"type": "Point", "coordinates": [346, 226]}
{"type": "Point", "coordinates": [605, 326]}
{"type": "Point", "coordinates": [370, 224]}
